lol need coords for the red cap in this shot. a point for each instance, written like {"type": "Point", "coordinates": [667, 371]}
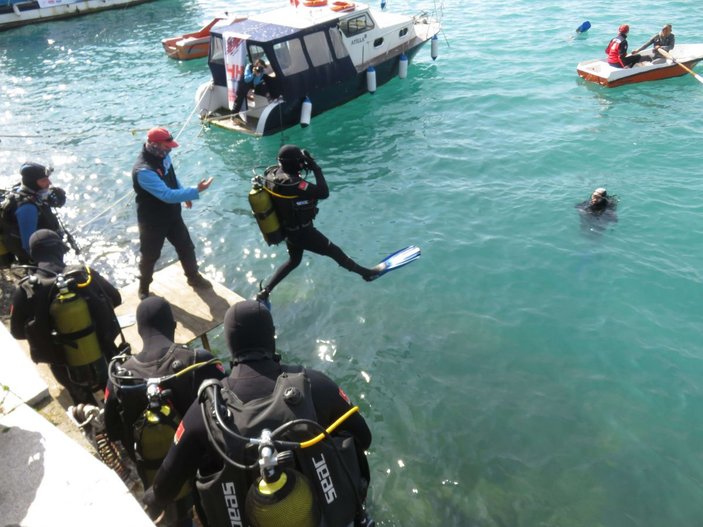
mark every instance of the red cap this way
{"type": "Point", "coordinates": [161, 135]}
{"type": "Point", "coordinates": [624, 29]}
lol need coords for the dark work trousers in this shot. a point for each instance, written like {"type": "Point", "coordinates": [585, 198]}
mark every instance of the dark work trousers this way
{"type": "Point", "coordinates": [151, 240]}
{"type": "Point", "coordinates": [310, 239]}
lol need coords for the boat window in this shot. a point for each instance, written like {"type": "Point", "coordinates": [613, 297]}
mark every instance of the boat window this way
{"type": "Point", "coordinates": [355, 25]}
{"type": "Point", "coordinates": [256, 53]}
{"type": "Point", "coordinates": [337, 45]}
{"type": "Point", "coordinates": [377, 42]}
{"type": "Point", "coordinates": [318, 49]}
{"type": "Point", "coordinates": [403, 32]}
{"type": "Point", "coordinates": [217, 53]}
{"type": "Point", "coordinates": [290, 56]}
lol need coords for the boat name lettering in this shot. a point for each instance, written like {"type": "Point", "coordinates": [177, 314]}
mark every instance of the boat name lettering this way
{"type": "Point", "coordinates": [359, 40]}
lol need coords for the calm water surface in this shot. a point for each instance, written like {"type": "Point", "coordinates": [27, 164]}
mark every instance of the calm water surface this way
{"type": "Point", "coordinates": [529, 369]}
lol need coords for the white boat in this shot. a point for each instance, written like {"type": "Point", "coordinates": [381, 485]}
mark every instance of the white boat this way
{"type": "Point", "coordinates": [14, 13]}
{"type": "Point", "coordinates": [650, 68]}
{"type": "Point", "coordinates": [319, 55]}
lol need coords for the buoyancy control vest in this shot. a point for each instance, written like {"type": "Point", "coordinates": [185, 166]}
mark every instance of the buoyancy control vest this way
{"type": "Point", "coordinates": [151, 209]}
{"type": "Point", "coordinates": [73, 325]}
{"type": "Point", "coordinates": [149, 418]}
{"type": "Point", "coordinates": [293, 211]}
{"type": "Point", "coordinates": [9, 228]}
{"type": "Point", "coordinates": [330, 466]}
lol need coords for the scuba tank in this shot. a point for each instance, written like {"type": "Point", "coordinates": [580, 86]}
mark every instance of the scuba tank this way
{"type": "Point", "coordinates": [76, 334]}
{"type": "Point", "coordinates": [282, 495]}
{"type": "Point", "coordinates": [264, 212]}
{"type": "Point", "coordinates": [288, 500]}
{"type": "Point", "coordinates": [153, 435]}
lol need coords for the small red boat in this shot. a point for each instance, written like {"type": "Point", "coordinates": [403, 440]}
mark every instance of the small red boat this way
{"type": "Point", "coordinates": [194, 45]}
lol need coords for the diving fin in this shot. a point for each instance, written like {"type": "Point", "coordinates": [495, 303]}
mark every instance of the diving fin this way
{"type": "Point", "coordinates": [396, 260]}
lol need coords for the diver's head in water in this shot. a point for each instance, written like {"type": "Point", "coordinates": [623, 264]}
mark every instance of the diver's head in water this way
{"type": "Point", "coordinates": [599, 199]}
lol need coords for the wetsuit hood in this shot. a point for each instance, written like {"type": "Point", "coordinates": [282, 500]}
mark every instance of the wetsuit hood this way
{"type": "Point", "coordinates": [249, 330]}
{"type": "Point", "coordinates": [156, 326]}
{"type": "Point", "coordinates": [47, 249]}
{"type": "Point", "coordinates": [290, 158]}
{"type": "Point", "coordinates": [31, 173]}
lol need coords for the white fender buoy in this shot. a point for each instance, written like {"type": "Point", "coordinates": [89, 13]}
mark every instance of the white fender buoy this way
{"type": "Point", "coordinates": [403, 66]}
{"type": "Point", "coordinates": [305, 112]}
{"type": "Point", "coordinates": [434, 53]}
{"type": "Point", "coordinates": [371, 79]}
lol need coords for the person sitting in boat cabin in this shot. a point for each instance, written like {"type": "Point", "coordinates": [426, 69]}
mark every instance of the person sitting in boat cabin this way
{"type": "Point", "coordinates": [617, 50]}
{"type": "Point", "coordinates": [665, 40]}
{"type": "Point", "coordinates": [255, 78]}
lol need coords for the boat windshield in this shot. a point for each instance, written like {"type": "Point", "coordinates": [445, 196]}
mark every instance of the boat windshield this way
{"type": "Point", "coordinates": [356, 24]}
{"type": "Point", "coordinates": [318, 49]}
{"type": "Point", "coordinates": [290, 56]}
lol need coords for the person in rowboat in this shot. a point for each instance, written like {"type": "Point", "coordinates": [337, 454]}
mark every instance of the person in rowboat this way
{"type": "Point", "coordinates": [617, 50]}
{"type": "Point", "coordinates": [665, 40]}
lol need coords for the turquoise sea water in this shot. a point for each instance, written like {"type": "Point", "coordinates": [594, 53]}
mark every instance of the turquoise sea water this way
{"type": "Point", "coordinates": [528, 370]}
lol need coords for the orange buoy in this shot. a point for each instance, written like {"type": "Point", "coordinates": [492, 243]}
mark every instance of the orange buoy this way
{"type": "Point", "coordinates": [314, 3]}
{"type": "Point", "coordinates": [342, 7]}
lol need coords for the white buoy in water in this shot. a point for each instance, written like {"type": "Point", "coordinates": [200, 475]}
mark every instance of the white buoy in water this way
{"type": "Point", "coordinates": [305, 112]}
{"type": "Point", "coordinates": [434, 47]}
{"type": "Point", "coordinates": [371, 79]}
{"type": "Point", "coordinates": [403, 66]}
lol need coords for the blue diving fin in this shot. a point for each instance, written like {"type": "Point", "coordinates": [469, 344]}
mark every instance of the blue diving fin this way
{"type": "Point", "coordinates": [397, 260]}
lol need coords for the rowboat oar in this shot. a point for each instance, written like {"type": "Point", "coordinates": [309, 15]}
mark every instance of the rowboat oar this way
{"type": "Point", "coordinates": [689, 70]}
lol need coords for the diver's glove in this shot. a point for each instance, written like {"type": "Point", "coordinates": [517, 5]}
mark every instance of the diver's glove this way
{"type": "Point", "coordinates": [57, 197]}
{"type": "Point", "coordinates": [309, 160]}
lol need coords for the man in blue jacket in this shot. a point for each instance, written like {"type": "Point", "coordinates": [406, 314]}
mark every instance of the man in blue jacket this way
{"type": "Point", "coordinates": [159, 198]}
{"type": "Point", "coordinates": [28, 208]}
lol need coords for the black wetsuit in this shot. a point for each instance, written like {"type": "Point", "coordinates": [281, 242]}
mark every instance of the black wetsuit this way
{"type": "Point", "coordinates": [251, 380]}
{"type": "Point", "coordinates": [124, 408]}
{"type": "Point", "coordinates": [295, 201]}
{"type": "Point", "coordinates": [16, 234]}
{"type": "Point", "coordinates": [30, 317]}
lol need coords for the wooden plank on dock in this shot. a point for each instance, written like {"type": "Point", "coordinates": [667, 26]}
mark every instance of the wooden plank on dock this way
{"type": "Point", "coordinates": [196, 311]}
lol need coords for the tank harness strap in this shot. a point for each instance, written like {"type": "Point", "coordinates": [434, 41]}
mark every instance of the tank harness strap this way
{"type": "Point", "coordinates": [70, 338]}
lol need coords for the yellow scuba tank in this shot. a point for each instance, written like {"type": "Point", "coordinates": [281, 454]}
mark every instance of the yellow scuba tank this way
{"type": "Point", "coordinates": [262, 207]}
{"type": "Point", "coordinates": [154, 437]}
{"type": "Point", "coordinates": [71, 319]}
{"type": "Point", "coordinates": [289, 501]}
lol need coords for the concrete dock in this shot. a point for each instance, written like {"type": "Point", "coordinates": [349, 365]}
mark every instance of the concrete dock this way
{"type": "Point", "coordinates": [51, 477]}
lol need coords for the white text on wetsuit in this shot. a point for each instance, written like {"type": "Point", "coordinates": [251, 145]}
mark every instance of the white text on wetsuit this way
{"type": "Point", "coordinates": [235, 518]}
{"type": "Point", "coordinates": [323, 474]}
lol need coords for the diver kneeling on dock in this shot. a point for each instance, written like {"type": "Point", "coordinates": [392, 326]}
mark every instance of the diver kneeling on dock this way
{"type": "Point", "coordinates": [254, 440]}
{"type": "Point", "coordinates": [148, 393]}
{"type": "Point", "coordinates": [67, 316]}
